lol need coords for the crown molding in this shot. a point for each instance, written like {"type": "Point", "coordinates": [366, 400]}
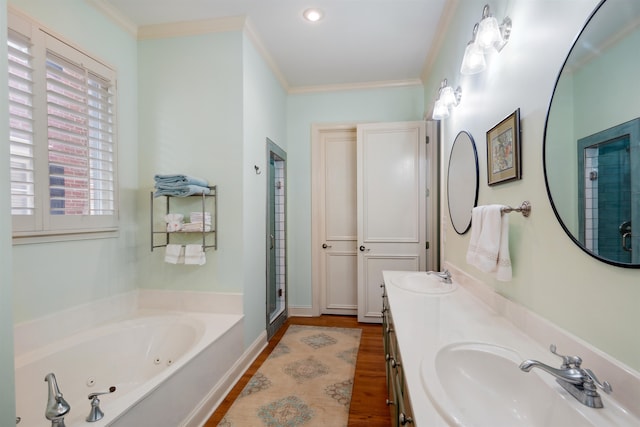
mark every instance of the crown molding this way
{"type": "Point", "coordinates": [251, 34]}
{"type": "Point", "coordinates": [355, 86]}
{"type": "Point", "coordinates": [191, 28]}
{"type": "Point", "coordinates": [448, 12]}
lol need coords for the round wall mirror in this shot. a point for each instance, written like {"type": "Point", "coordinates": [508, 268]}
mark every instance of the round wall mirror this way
{"type": "Point", "coordinates": [462, 181]}
{"type": "Point", "coordinates": [591, 149]}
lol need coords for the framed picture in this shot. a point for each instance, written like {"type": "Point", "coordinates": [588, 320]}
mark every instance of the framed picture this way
{"type": "Point", "coordinates": [503, 150]}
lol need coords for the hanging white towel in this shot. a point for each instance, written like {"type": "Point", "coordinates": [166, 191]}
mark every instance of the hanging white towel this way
{"type": "Point", "coordinates": [174, 254]}
{"type": "Point", "coordinates": [194, 255]}
{"type": "Point", "coordinates": [489, 244]}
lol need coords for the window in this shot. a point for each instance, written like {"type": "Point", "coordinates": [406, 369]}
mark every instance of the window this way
{"type": "Point", "coordinates": [62, 136]}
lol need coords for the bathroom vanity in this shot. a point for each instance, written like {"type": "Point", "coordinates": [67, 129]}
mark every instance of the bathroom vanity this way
{"type": "Point", "coordinates": [454, 351]}
{"type": "Point", "coordinates": [397, 393]}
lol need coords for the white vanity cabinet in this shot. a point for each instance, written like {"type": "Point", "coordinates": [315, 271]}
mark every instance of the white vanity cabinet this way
{"type": "Point", "coordinates": [397, 393]}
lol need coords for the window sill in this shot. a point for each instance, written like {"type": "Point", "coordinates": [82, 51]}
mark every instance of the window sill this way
{"type": "Point", "coordinates": [26, 238]}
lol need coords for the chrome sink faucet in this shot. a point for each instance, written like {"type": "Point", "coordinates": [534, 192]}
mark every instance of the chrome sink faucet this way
{"type": "Point", "coordinates": [580, 383]}
{"type": "Point", "coordinates": [57, 407]}
{"type": "Point", "coordinates": [444, 275]}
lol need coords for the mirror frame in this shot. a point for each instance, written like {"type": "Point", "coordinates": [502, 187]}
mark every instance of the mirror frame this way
{"type": "Point", "coordinates": [544, 153]}
{"type": "Point", "coordinates": [477, 176]}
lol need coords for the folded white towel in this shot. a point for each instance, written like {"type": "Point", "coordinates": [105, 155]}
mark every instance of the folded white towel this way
{"type": "Point", "coordinates": [197, 217]}
{"type": "Point", "coordinates": [174, 254]}
{"type": "Point", "coordinates": [195, 226]}
{"type": "Point", "coordinates": [194, 255]}
{"type": "Point", "coordinates": [489, 244]}
{"type": "Point", "coordinates": [174, 222]}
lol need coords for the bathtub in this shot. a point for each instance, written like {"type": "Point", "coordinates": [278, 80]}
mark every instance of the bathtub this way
{"type": "Point", "coordinates": [163, 364]}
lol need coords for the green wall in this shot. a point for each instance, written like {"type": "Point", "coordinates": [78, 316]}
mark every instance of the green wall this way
{"type": "Point", "coordinates": [7, 402]}
{"type": "Point", "coordinates": [551, 276]}
{"type": "Point", "coordinates": [303, 110]}
{"type": "Point", "coordinates": [264, 109]}
{"type": "Point", "coordinates": [100, 267]}
{"type": "Point", "coordinates": [191, 122]}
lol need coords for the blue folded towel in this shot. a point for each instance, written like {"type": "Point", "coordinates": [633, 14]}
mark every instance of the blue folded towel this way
{"type": "Point", "coordinates": [179, 180]}
{"type": "Point", "coordinates": [182, 191]}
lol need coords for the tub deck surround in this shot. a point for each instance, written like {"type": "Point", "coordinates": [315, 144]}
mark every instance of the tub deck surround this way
{"type": "Point", "coordinates": [168, 366]}
{"type": "Point", "coordinates": [474, 313]}
{"type": "Point", "coordinates": [53, 327]}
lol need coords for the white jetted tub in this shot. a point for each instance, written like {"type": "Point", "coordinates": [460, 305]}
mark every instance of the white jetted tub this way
{"type": "Point", "coordinates": [162, 364]}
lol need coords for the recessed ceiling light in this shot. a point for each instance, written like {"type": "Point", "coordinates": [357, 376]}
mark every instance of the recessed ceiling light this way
{"type": "Point", "coordinates": [312, 15]}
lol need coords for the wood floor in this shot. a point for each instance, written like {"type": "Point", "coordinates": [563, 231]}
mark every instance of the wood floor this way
{"type": "Point", "coordinates": [368, 402]}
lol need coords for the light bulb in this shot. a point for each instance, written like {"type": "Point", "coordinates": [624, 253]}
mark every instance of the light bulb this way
{"type": "Point", "coordinates": [448, 96]}
{"type": "Point", "coordinates": [473, 61]}
{"type": "Point", "coordinates": [312, 15]}
{"type": "Point", "coordinates": [440, 110]}
{"type": "Point", "coordinates": [488, 33]}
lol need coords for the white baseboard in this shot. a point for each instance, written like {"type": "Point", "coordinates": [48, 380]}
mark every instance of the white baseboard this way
{"type": "Point", "coordinates": [214, 398]}
{"type": "Point", "coordinates": [300, 311]}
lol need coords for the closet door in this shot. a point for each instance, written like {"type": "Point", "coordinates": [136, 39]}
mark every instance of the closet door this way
{"type": "Point", "coordinates": [335, 191]}
{"type": "Point", "coordinates": [391, 202]}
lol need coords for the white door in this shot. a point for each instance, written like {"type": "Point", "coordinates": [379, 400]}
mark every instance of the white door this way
{"type": "Point", "coordinates": [391, 202]}
{"type": "Point", "coordinates": [336, 196]}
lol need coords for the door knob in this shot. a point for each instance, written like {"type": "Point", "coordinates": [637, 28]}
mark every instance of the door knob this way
{"type": "Point", "coordinates": [325, 246]}
{"type": "Point", "coordinates": [363, 249]}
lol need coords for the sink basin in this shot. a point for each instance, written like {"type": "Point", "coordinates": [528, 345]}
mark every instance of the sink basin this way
{"type": "Point", "coordinates": [478, 384]}
{"type": "Point", "coordinates": [422, 283]}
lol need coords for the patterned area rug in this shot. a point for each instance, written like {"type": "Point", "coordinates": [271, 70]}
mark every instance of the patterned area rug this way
{"type": "Point", "coordinates": [306, 380]}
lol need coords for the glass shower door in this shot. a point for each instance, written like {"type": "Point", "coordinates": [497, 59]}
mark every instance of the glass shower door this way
{"type": "Point", "coordinates": [276, 238]}
{"type": "Point", "coordinates": [608, 198]}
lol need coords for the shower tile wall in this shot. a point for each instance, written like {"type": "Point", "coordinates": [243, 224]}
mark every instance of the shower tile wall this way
{"type": "Point", "coordinates": [280, 232]}
{"type": "Point", "coordinates": [591, 199]}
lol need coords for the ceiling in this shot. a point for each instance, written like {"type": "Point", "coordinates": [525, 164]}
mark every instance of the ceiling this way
{"type": "Point", "coordinates": [357, 42]}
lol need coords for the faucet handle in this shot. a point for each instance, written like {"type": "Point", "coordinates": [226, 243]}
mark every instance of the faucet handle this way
{"type": "Point", "coordinates": [96, 413]}
{"type": "Point", "coordinates": [605, 386]}
{"type": "Point", "coordinates": [94, 395]}
{"type": "Point", "coordinates": [567, 361]}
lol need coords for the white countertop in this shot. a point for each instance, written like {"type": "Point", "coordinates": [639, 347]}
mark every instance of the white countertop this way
{"type": "Point", "coordinates": [425, 323]}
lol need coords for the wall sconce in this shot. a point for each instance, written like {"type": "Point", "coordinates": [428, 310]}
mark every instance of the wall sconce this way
{"type": "Point", "coordinates": [447, 98]}
{"type": "Point", "coordinates": [473, 61]}
{"type": "Point", "coordinates": [486, 35]}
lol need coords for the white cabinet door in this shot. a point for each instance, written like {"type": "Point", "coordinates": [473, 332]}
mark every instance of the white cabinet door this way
{"type": "Point", "coordinates": [391, 193]}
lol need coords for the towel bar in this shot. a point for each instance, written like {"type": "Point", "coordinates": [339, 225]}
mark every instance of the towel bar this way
{"type": "Point", "coordinates": [525, 209]}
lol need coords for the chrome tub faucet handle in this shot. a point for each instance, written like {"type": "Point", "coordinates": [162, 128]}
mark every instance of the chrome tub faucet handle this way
{"type": "Point", "coordinates": [96, 413]}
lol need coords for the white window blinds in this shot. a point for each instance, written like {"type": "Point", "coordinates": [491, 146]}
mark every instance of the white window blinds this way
{"type": "Point", "coordinates": [80, 140]}
{"type": "Point", "coordinates": [21, 125]}
{"type": "Point", "coordinates": [62, 136]}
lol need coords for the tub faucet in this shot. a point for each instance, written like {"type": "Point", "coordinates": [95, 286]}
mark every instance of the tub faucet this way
{"type": "Point", "coordinates": [57, 407]}
{"type": "Point", "coordinates": [580, 383]}
{"type": "Point", "coordinates": [444, 275]}
{"type": "Point", "coordinates": [96, 413]}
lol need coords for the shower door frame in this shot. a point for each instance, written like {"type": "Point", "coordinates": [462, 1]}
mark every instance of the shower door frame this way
{"type": "Point", "coordinates": [273, 241]}
{"type": "Point", "coordinates": [630, 130]}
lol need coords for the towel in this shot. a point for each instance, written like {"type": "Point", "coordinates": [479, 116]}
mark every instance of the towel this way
{"type": "Point", "coordinates": [195, 227]}
{"type": "Point", "coordinates": [489, 245]}
{"type": "Point", "coordinates": [182, 191]}
{"type": "Point", "coordinates": [194, 255]}
{"type": "Point", "coordinates": [174, 222]}
{"type": "Point", "coordinates": [174, 254]}
{"type": "Point", "coordinates": [197, 217]}
{"type": "Point", "coordinates": [179, 180]}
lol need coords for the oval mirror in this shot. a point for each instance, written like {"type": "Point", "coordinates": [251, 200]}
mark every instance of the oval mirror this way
{"type": "Point", "coordinates": [591, 148]}
{"type": "Point", "coordinates": [462, 181]}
